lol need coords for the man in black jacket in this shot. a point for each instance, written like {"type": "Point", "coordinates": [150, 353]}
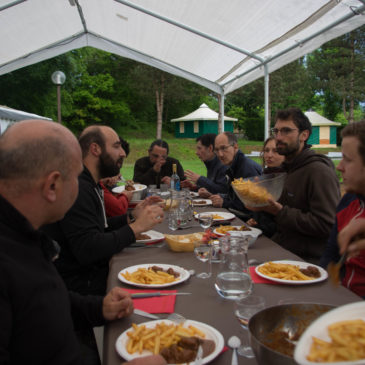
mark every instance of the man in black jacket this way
{"type": "Point", "coordinates": [87, 238]}
{"type": "Point", "coordinates": [39, 166]}
{"type": "Point", "coordinates": [156, 168]}
{"type": "Point", "coordinates": [215, 182]}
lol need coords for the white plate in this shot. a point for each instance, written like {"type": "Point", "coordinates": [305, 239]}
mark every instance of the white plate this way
{"type": "Point", "coordinates": [155, 236]}
{"type": "Point", "coordinates": [253, 231]}
{"type": "Point", "coordinates": [194, 194]}
{"type": "Point", "coordinates": [210, 334]}
{"type": "Point", "coordinates": [206, 202]}
{"type": "Point", "coordinates": [120, 189]}
{"type": "Point", "coordinates": [226, 216]}
{"type": "Point", "coordinates": [318, 328]}
{"type": "Point", "coordinates": [301, 264]}
{"type": "Point", "coordinates": [184, 275]}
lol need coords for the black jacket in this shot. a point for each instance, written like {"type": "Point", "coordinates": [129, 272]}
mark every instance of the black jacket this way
{"type": "Point", "coordinates": [145, 174]}
{"type": "Point", "coordinates": [243, 167]}
{"type": "Point", "coordinates": [35, 307]}
{"type": "Point", "coordinates": [216, 181]}
{"type": "Point", "coordinates": [86, 243]}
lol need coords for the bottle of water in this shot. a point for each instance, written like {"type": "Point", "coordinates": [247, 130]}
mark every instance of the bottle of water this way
{"type": "Point", "coordinates": [175, 180]}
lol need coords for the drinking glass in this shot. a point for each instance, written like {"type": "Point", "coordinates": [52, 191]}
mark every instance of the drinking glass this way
{"type": "Point", "coordinates": [245, 308]}
{"type": "Point", "coordinates": [203, 252]}
{"type": "Point", "coordinates": [174, 220]}
{"type": "Point", "coordinates": [205, 220]}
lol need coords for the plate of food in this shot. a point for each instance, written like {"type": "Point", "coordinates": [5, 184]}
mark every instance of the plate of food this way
{"type": "Point", "coordinates": [201, 202]}
{"type": "Point", "coordinates": [150, 237]}
{"type": "Point", "coordinates": [291, 272]}
{"type": "Point", "coordinates": [336, 337]}
{"type": "Point", "coordinates": [138, 190]}
{"type": "Point", "coordinates": [223, 230]}
{"type": "Point", "coordinates": [194, 194]}
{"type": "Point", "coordinates": [153, 275]}
{"type": "Point", "coordinates": [218, 216]}
{"type": "Point", "coordinates": [188, 336]}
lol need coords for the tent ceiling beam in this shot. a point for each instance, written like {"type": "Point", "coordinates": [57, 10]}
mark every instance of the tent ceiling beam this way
{"type": "Point", "coordinates": [9, 5]}
{"type": "Point", "coordinates": [81, 14]}
{"type": "Point", "coordinates": [354, 12]}
{"type": "Point", "coordinates": [189, 29]}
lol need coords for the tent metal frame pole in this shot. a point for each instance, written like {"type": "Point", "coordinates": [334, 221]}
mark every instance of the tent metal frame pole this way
{"type": "Point", "coordinates": [189, 29]}
{"type": "Point", "coordinates": [267, 79]}
{"type": "Point", "coordinates": [222, 112]}
{"type": "Point", "coordinates": [353, 13]}
{"type": "Point", "coordinates": [11, 4]}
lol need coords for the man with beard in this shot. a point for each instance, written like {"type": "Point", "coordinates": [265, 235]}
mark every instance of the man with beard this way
{"type": "Point", "coordinates": [305, 212]}
{"type": "Point", "coordinates": [88, 239]}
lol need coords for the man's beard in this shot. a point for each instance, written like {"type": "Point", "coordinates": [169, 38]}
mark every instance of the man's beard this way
{"type": "Point", "coordinates": [108, 167]}
{"type": "Point", "coordinates": [285, 150]}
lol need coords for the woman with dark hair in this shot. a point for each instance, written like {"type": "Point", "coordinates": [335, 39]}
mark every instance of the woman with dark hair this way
{"type": "Point", "coordinates": [271, 163]}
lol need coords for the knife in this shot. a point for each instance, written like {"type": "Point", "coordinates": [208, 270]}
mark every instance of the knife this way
{"type": "Point", "coordinates": [145, 314]}
{"type": "Point", "coordinates": [156, 294]}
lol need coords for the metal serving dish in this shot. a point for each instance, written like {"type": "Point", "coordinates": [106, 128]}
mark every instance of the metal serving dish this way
{"type": "Point", "coordinates": [280, 327]}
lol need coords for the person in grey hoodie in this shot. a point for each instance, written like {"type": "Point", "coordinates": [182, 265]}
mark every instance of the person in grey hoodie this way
{"type": "Point", "coordinates": [305, 212]}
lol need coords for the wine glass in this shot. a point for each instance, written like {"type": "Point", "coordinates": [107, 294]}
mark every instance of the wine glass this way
{"type": "Point", "coordinates": [245, 308]}
{"type": "Point", "coordinates": [203, 252]}
{"type": "Point", "coordinates": [205, 220]}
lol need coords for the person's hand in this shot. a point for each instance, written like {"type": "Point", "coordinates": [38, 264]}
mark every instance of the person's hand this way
{"type": "Point", "coordinates": [151, 200]}
{"type": "Point", "coordinates": [352, 237]}
{"type": "Point", "coordinates": [128, 194]}
{"type": "Point", "coordinates": [272, 208]}
{"type": "Point", "coordinates": [191, 175]}
{"type": "Point", "coordinates": [204, 193]}
{"type": "Point", "coordinates": [251, 222]}
{"type": "Point", "coordinates": [147, 360]}
{"type": "Point", "coordinates": [188, 184]}
{"type": "Point", "coordinates": [166, 180]}
{"type": "Point", "coordinates": [117, 304]}
{"type": "Point", "coordinates": [147, 218]}
{"type": "Point", "coordinates": [217, 200]}
{"type": "Point", "coordinates": [158, 164]}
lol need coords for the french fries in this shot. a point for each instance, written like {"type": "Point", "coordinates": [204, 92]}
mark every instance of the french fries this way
{"type": "Point", "coordinates": [347, 343]}
{"type": "Point", "coordinates": [162, 335]}
{"type": "Point", "coordinates": [283, 271]}
{"type": "Point", "coordinates": [217, 216]}
{"type": "Point", "coordinates": [225, 229]}
{"type": "Point", "coordinates": [251, 191]}
{"type": "Point", "coordinates": [148, 276]}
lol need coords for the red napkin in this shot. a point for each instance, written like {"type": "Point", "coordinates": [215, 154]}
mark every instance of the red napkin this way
{"type": "Point", "coordinates": [164, 304]}
{"type": "Point", "coordinates": [258, 279]}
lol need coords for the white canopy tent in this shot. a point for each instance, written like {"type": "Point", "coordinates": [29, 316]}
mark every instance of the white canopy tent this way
{"type": "Point", "coordinates": [221, 45]}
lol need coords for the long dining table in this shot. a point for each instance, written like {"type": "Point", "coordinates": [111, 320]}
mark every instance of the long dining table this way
{"type": "Point", "coordinates": [205, 305]}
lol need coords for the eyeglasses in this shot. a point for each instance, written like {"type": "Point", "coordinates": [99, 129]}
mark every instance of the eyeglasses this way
{"type": "Point", "coordinates": [223, 148]}
{"type": "Point", "coordinates": [283, 131]}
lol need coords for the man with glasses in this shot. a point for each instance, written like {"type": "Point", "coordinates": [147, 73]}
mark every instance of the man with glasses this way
{"type": "Point", "coordinates": [305, 212]}
{"type": "Point", "coordinates": [226, 148]}
{"type": "Point", "coordinates": [156, 168]}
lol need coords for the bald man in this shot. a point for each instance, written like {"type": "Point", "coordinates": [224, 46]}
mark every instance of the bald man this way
{"type": "Point", "coordinates": [39, 166]}
{"type": "Point", "coordinates": [88, 239]}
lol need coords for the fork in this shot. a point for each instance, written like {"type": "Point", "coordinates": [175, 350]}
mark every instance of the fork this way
{"type": "Point", "coordinates": [177, 318]}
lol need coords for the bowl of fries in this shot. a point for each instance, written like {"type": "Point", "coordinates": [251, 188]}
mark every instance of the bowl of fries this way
{"type": "Point", "coordinates": [256, 191]}
{"type": "Point", "coordinates": [337, 337]}
{"type": "Point", "coordinates": [275, 330]}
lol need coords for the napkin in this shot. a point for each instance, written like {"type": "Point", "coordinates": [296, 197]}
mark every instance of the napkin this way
{"type": "Point", "coordinates": [258, 279]}
{"type": "Point", "coordinates": [164, 304]}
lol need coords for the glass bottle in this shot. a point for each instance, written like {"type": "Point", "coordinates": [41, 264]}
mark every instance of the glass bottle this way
{"type": "Point", "coordinates": [175, 179]}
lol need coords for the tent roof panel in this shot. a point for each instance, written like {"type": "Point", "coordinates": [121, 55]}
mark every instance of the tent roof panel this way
{"type": "Point", "coordinates": [205, 41]}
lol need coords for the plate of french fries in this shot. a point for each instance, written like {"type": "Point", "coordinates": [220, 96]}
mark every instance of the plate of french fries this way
{"type": "Point", "coordinates": [150, 337]}
{"type": "Point", "coordinates": [223, 230]}
{"type": "Point", "coordinates": [143, 276]}
{"type": "Point", "coordinates": [336, 337]}
{"type": "Point", "coordinates": [218, 216]}
{"type": "Point", "coordinates": [289, 272]}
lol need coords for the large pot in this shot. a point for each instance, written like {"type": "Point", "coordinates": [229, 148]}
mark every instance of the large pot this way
{"type": "Point", "coordinates": [271, 326]}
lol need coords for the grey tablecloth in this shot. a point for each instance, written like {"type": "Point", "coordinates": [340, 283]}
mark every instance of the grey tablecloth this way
{"type": "Point", "coordinates": [205, 305]}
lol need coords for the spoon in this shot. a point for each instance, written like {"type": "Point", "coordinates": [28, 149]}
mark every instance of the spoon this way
{"type": "Point", "coordinates": [191, 272]}
{"type": "Point", "coordinates": [234, 342]}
